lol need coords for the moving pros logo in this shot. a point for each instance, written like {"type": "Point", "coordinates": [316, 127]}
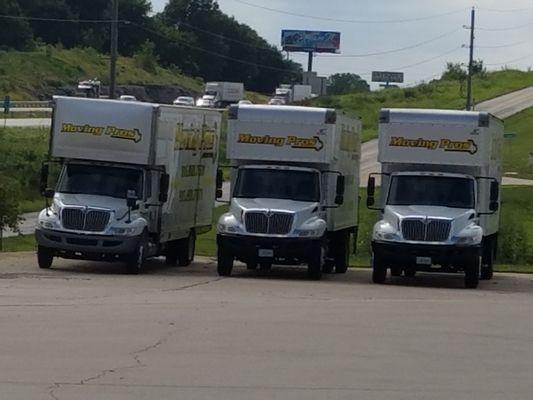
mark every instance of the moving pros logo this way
{"type": "Point", "coordinates": [295, 142]}
{"type": "Point", "coordinates": [112, 131]}
{"type": "Point", "coordinates": [457, 146]}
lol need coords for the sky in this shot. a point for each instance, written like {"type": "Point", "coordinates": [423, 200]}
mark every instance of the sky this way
{"type": "Point", "coordinates": [504, 32]}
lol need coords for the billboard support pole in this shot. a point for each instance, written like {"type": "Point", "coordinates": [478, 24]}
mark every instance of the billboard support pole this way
{"type": "Point", "coordinates": [310, 62]}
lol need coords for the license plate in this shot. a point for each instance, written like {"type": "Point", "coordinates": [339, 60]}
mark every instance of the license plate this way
{"type": "Point", "coordinates": [423, 260]}
{"type": "Point", "coordinates": [266, 253]}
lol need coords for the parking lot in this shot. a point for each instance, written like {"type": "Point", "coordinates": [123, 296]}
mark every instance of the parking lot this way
{"type": "Point", "coordinates": [88, 331]}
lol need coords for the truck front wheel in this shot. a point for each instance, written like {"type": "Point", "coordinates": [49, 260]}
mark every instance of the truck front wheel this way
{"type": "Point", "coordinates": [487, 263]}
{"type": "Point", "coordinates": [224, 261]}
{"type": "Point", "coordinates": [342, 252]}
{"type": "Point", "coordinates": [379, 270]}
{"type": "Point", "coordinates": [135, 261]}
{"type": "Point", "coordinates": [472, 271]}
{"type": "Point", "coordinates": [45, 257]}
{"type": "Point", "coordinates": [315, 263]}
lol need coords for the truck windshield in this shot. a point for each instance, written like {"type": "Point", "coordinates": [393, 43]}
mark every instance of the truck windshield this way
{"type": "Point", "coordinates": [100, 180]}
{"type": "Point", "coordinates": [278, 184]}
{"type": "Point", "coordinates": [431, 191]}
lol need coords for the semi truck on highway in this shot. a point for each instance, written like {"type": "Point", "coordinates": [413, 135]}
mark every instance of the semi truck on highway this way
{"type": "Point", "coordinates": [224, 93]}
{"type": "Point", "coordinates": [294, 183]}
{"type": "Point", "coordinates": [293, 93]}
{"type": "Point", "coordinates": [137, 180]}
{"type": "Point", "coordinates": [440, 193]}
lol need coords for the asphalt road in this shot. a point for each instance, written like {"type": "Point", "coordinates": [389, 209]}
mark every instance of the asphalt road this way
{"type": "Point", "coordinates": [88, 331]}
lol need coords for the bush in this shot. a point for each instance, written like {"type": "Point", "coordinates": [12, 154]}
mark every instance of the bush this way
{"type": "Point", "coordinates": [513, 242]}
{"type": "Point", "coordinates": [146, 58]}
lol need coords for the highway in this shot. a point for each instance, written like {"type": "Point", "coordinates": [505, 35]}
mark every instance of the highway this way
{"type": "Point", "coordinates": [84, 331]}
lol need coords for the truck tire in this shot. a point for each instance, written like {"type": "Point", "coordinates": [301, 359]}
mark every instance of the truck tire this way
{"type": "Point", "coordinates": [315, 263]}
{"type": "Point", "coordinates": [487, 263]}
{"type": "Point", "coordinates": [342, 252]}
{"type": "Point", "coordinates": [328, 267]}
{"type": "Point", "coordinates": [472, 272]}
{"type": "Point", "coordinates": [45, 257]}
{"type": "Point", "coordinates": [135, 261]}
{"type": "Point", "coordinates": [186, 250]}
{"type": "Point", "coordinates": [379, 270]}
{"type": "Point", "coordinates": [396, 271]}
{"type": "Point", "coordinates": [224, 261]}
{"type": "Point", "coordinates": [251, 265]}
{"type": "Point", "coordinates": [171, 254]}
{"type": "Point", "coordinates": [409, 272]}
{"type": "Point", "coordinates": [265, 266]}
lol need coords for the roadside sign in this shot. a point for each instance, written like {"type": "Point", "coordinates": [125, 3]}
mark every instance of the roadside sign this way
{"type": "Point", "coordinates": [7, 104]}
{"type": "Point", "coordinates": [509, 135]}
{"type": "Point", "coordinates": [385, 76]}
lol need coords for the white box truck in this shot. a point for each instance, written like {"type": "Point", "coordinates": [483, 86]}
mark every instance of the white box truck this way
{"type": "Point", "coordinates": [224, 93]}
{"type": "Point", "coordinates": [440, 193]}
{"type": "Point", "coordinates": [295, 184]}
{"type": "Point", "coordinates": [137, 180]}
{"type": "Point", "coordinates": [293, 93]}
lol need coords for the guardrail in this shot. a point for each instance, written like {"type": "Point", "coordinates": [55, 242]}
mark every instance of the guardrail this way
{"type": "Point", "coordinates": [30, 104]}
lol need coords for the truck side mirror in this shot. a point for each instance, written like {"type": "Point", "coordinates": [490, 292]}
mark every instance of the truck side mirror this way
{"type": "Point", "coordinates": [341, 187]}
{"type": "Point", "coordinates": [370, 191]}
{"type": "Point", "coordinates": [494, 206]}
{"type": "Point", "coordinates": [494, 191]}
{"type": "Point", "coordinates": [131, 198]}
{"type": "Point", "coordinates": [164, 184]}
{"type": "Point", "coordinates": [49, 193]}
{"type": "Point", "coordinates": [44, 179]}
{"type": "Point", "coordinates": [220, 179]}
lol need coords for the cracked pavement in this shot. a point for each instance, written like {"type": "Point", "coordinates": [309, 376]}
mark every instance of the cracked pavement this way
{"type": "Point", "coordinates": [88, 331]}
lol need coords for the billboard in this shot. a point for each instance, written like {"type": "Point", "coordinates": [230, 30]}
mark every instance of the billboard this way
{"type": "Point", "coordinates": [311, 41]}
{"type": "Point", "coordinates": [390, 77]}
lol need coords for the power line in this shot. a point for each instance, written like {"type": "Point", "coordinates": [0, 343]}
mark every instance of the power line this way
{"type": "Point", "coordinates": [185, 43]}
{"type": "Point", "coordinates": [395, 50]}
{"type": "Point", "coordinates": [81, 21]}
{"type": "Point", "coordinates": [511, 61]}
{"type": "Point", "coordinates": [510, 28]}
{"type": "Point", "coordinates": [511, 10]}
{"type": "Point", "coordinates": [504, 45]}
{"type": "Point", "coordinates": [352, 21]}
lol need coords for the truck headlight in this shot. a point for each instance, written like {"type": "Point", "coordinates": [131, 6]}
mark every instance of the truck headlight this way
{"type": "Point", "coordinates": [383, 230]}
{"type": "Point", "coordinates": [472, 235]}
{"type": "Point", "coordinates": [229, 224]}
{"type": "Point", "coordinates": [308, 232]}
{"type": "Point", "coordinates": [123, 231]}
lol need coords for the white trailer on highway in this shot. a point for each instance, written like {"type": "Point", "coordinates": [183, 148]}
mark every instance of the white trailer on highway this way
{"type": "Point", "coordinates": [137, 181]}
{"type": "Point", "coordinates": [224, 93]}
{"type": "Point", "coordinates": [441, 176]}
{"type": "Point", "coordinates": [294, 188]}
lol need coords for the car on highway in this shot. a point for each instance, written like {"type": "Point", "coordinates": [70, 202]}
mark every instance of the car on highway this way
{"type": "Point", "coordinates": [127, 97]}
{"type": "Point", "coordinates": [277, 101]}
{"type": "Point", "coordinates": [206, 101]}
{"type": "Point", "coordinates": [245, 102]}
{"type": "Point", "coordinates": [184, 101]}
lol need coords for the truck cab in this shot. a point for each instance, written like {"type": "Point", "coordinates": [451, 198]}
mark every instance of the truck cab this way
{"type": "Point", "coordinates": [439, 198]}
{"type": "Point", "coordinates": [294, 194]}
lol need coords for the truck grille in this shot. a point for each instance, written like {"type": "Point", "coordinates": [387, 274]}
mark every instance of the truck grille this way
{"type": "Point", "coordinates": [434, 230]}
{"type": "Point", "coordinates": [85, 220]}
{"type": "Point", "coordinates": [273, 224]}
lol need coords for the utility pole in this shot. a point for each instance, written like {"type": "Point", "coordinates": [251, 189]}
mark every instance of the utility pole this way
{"type": "Point", "coordinates": [114, 51]}
{"type": "Point", "coordinates": [310, 62]}
{"type": "Point", "coordinates": [469, 100]}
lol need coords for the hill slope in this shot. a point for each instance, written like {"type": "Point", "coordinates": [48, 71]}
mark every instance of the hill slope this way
{"type": "Point", "coordinates": [38, 74]}
{"type": "Point", "coordinates": [446, 94]}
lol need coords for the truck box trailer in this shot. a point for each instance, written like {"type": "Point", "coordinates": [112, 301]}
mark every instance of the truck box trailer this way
{"type": "Point", "coordinates": [224, 93]}
{"type": "Point", "coordinates": [294, 186]}
{"type": "Point", "coordinates": [137, 180]}
{"type": "Point", "coordinates": [441, 174]}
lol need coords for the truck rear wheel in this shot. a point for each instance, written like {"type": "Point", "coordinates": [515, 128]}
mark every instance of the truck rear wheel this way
{"type": "Point", "coordinates": [379, 270]}
{"type": "Point", "coordinates": [315, 263]}
{"type": "Point", "coordinates": [186, 248]}
{"type": "Point", "coordinates": [472, 273]}
{"type": "Point", "coordinates": [224, 261]}
{"type": "Point", "coordinates": [487, 263]}
{"type": "Point", "coordinates": [45, 257]}
{"type": "Point", "coordinates": [342, 252]}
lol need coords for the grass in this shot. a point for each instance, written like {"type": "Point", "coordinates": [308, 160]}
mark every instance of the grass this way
{"type": "Point", "coordinates": [517, 150]}
{"type": "Point", "coordinates": [446, 94]}
{"type": "Point", "coordinates": [19, 243]}
{"type": "Point", "coordinates": [20, 78]}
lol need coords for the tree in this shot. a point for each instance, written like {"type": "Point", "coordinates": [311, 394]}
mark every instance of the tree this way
{"type": "Point", "coordinates": [346, 83]}
{"type": "Point", "coordinates": [146, 58]}
{"type": "Point", "coordinates": [16, 34]}
{"type": "Point", "coordinates": [9, 207]}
